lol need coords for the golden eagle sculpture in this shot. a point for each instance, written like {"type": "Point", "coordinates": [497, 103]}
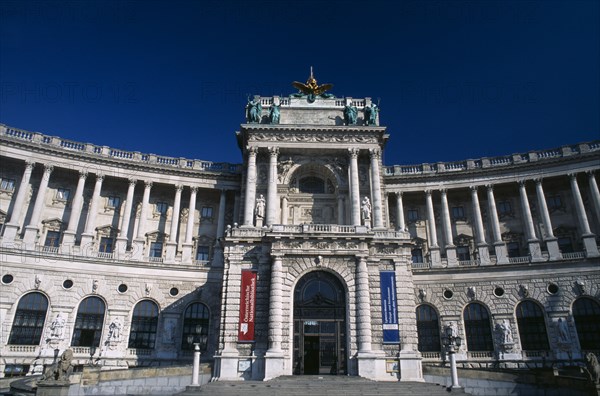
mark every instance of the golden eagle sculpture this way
{"type": "Point", "coordinates": [311, 88]}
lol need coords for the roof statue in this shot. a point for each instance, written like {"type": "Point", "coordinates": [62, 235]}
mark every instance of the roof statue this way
{"type": "Point", "coordinates": [311, 88]}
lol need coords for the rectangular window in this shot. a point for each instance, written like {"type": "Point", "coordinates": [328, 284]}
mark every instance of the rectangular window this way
{"type": "Point", "coordinates": [565, 245]}
{"type": "Point", "coordinates": [554, 202]}
{"type": "Point", "coordinates": [7, 185]}
{"type": "Point", "coordinates": [417, 255]}
{"type": "Point", "coordinates": [463, 253]}
{"type": "Point", "coordinates": [504, 208]}
{"type": "Point", "coordinates": [156, 249]}
{"type": "Point", "coordinates": [106, 245]}
{"type": "Point", "coordinates": [113, 202]}
{"type": "Point", "coordinates": [161, 207]}
{"type": "Point", "coordinates": [202, 253]}
{"type": "Point", "coordinates": [207, 212]}
{"type": "Point", "coordinates": [412, 215]}
{"type": "Point", "coordinates": [458, 213]}
{"type": "Point", "coordinates": [52, 239]}
{"type": "Point", "coordinates": [513, 249]}
{"type": "Point", "coordinates": [63, 194]}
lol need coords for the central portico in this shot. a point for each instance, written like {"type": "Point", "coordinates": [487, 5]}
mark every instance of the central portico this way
{"type": "Point", "coordinates": [305, 270]}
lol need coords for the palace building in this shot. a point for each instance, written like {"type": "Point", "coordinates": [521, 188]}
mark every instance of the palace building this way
{"type": "Point", "coordinates": [310, 257]}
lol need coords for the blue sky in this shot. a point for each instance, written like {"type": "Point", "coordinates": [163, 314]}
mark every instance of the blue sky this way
{"type": "Point", "coordinates": [456, 79]}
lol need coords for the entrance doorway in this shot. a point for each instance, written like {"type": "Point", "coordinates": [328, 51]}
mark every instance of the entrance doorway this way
{"type": "Point", "coordinates": [319, 325]}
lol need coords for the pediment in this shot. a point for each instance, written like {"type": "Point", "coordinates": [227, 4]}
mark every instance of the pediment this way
{"type": "Point", "coordinates": [53, 224]}
{"type": "Point", "coordinates": [157, 236]}
{"type": "Point", "coordinates": [107, 230]}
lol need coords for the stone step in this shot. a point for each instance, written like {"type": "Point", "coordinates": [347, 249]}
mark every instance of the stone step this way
{"type": "Point", "coordinates": [318, 386]}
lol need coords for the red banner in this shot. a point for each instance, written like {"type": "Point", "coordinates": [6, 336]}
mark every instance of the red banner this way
{"type": "Point", "coordinates": [247, 306]}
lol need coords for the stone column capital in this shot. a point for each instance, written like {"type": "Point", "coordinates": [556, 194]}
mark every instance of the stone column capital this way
{"type": "Point", "coordinates": [399, 194]}
{"type": "Point", "coordinates": [375, 153]}
{"type": "Point", "coordinates": [590, 172]}
{"type": "Point", "coordinates": [100, 177]}
{"type": "Point", "coordinates": [428, 193]}
{"type": "Point", "coordinates": [353, 152]}
{"type": "Point", "coordinates": [48, 168]}
{"type": "Point", "coordinates": [132, 182]}
{"type": "Point", "coordinates": [444, 191]}
{"type": "Point", "coordinates": [522, 183]}
{"type": "Point", "coordinates": [252, 150]}
{"type": "Point", "coordinates": [194, 189]}
{"type": "Point", "coordinates": [178, 187]}
{"type": "Point", "coordinates": [538, 180]}
{"type": "Point", "coordinates": [473, 189]}
{"type": "Point", "coordinates": [274, 151]}
{"type": "Point", "coordinates": [148, 184]}
{"type": "Point", "coordinates": [490, 187]}
{"type": "Point", "coordinates": [276, 256]}
{"type": "Point", "coordinates": [83, 174]}
{"type": "Point", "coordinates": [29, 164]}
{"type": "Point", "coordinates": [572, 176]}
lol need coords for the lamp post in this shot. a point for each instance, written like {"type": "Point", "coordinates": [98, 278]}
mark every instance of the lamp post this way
{"type": "Point", "coordinates": [452, 342]}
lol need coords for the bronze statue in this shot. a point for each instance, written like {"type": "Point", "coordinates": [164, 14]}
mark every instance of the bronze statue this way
{"type": "Point", "coordinates": [311, 88]}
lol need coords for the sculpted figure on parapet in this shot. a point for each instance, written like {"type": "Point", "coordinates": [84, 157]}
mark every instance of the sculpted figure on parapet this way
{"type": "Point", "coordinates": [260, 207]}
{"type": "Point", "coordinates": [274, 113]}
{"type": "Point", "coordinates": [253, 111]}
{"type": "Point", "coordinates": [366, 208]}
{"type": "Point", "coordinates": [371, 114]}
{"type": "Point", "coordinates": [350, 114]}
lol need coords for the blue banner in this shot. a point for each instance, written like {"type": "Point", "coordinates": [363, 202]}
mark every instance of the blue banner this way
{"type": "Point", "coordinates": [389, 308]}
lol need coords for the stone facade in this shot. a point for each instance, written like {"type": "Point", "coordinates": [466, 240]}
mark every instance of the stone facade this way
{"type": "Point", "coordinates": [153, 250]}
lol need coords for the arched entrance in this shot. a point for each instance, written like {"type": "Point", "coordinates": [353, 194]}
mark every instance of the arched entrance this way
{"type": "Point", "coordinates": [319, 325]}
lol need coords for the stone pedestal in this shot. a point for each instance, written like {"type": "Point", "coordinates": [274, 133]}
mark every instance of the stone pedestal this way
{"type": "Point", "coordinates": [86, 242]}
{"type": "Point", "coordinates": [186, 253]}
{"type": "Point", "coordinates": [53, 388]}
{"type": "Point", "coordinates": [553, 250]}
{"type": "Point", "coordinates": [31, 235]}
{"type": "Point", "coordinates": [371, 365]}
{"type": "Point", "coordinates": [451, 256]}
{"type": "Point", "coordinates": [68, 241]}
{"type": "Point", "coordinates": [10, 233]}
{"type": "Point", "coordinates": [589, 244]}
{"type": "Point", "coordinates": [435, 257]}
{"type": "Point", "coordinates": [535, 251]}
{"type": "Point", "coordinates": [121, 246]}
{"type": "Point", "coordinates": [137, 249]}
{"type": "Point", "coordinates": [274, 365]}
{"type": "Point", "coordinates": [259, 222]}
{"type": "Point", "coordinates": [228, 366]}
{"type": "Point", "coordinates": [410, 366]}
{"type": "Point", "coordinates": [484, 254]}
{"type": "Point", "coordinates": [170, 253]}
{"type": "Point", "coordinates": [501, 253]}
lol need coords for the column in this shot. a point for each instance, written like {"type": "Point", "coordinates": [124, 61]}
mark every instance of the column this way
{"type": "Point", "coordinates": [12, 227]}
{"type": "Point", "coordinates": [594, 193]}
{"type": "Point", "coordinates": [434, 249]}
{"type": "Point", "coordinates": [376, 186]}
{"type": "Point", "coordinates": [88, 234]}
{"type": "Point", "coordinates": [284, 210]}
{"type": "Point", "coordinates": [69, 235]}
{"type": "Point", "coordinates": [31, 230]}
{"type": "Point", "coordinates": [363, 305]}
{"type": "Point", "coordinates": [340, 209]}
{"type": "Point", "coordinates": [139, 241]}
{"type": "Point", "coordinates": [188, 244]}
{"type": "Point", "coordinates": [551, 240]}
{"type": "Point", "coordinates": [272, 201]}
{"type": "Point", "coordinates": [172, 243]}
{"type": "Point", "coordinates": [217, 260]}
{"type": "Point", "coordinates": [588, 239]}
{"type": "Point", "coordinates": [123, 238]}
{"type": "Point", "coordinates": [401, 224]}
{"type": "Point", "coordinates": [499, 244]}
{"type": "Point", "coordinates": [447, 225]}
{"type": "Point", "coordinates": [250, 188]}
{"type": "Point", "coordinates": [236, 208]}
{"type": "Point", "coordinates": [274, 355]}
{"type": "Point", "coordinates": [354, 189]}
{"type": "Point", "coordinates": [532, 241]}
{"type": "Point", "coordinates": [482, 246]}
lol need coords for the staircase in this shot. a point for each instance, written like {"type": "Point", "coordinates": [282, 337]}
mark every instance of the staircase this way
{"type": "Point", "coordinates": [319, 386]}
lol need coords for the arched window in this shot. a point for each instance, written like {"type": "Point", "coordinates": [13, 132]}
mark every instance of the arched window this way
{"type": "Point", "coordinates": [28, 325]}
{"type": "Point", "coordinates": [477, 328]}
{"type": "Point", "coordinates": [428, 329]}
{"type": "Point", "coordinates": [311, 185]}
{"type": "Point", "coordinates": [143, 325]}
{"type": "Point", "coordinates": [532, 327]}
{"type": "Point", "coordinates": [89, 322]}
{"type": "Point", "coordinates": [195, 326]}
{"type": "Point", "coordinates": [586, 313]}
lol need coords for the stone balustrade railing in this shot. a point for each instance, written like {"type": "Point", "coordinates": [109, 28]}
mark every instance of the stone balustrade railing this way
{"type": "Point", "coordinates": [491, 162]}
{"type": "Point", "coordinates": [108, 152]}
